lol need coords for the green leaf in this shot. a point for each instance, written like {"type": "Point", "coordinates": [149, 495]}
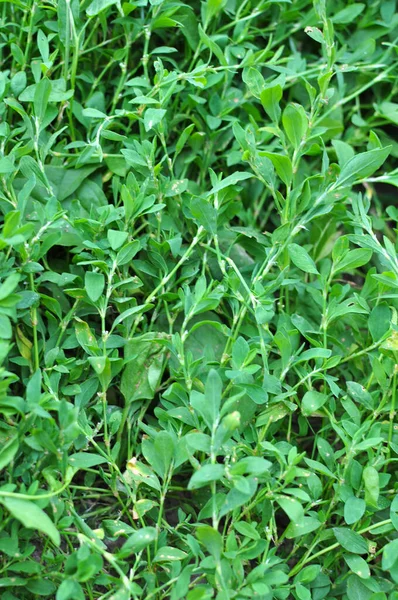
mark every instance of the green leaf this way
{"type": "Point", "coordinates": [12, 582]}
{"type": "Point", "coordinates": [390, 555]}
{"type": "Point", "coordinates": [354, 509]}
{"type": "Point", "coordinates": [295, 124]}
{"type": "Point", "coordinates": [138, 541]}
{"type": "Point", "coordinates": [350, 540]}
{"type": "Point", "coordinates": [300, 257]}
{"type": "Point", "coordinates": [205, 475]}
{"type": "Point", "coordinates": [372, 486]}
{"type": "Point", "coordinates": [344, 151]}
{"type": "Point", "coordinates": [93, 113]}
{"type": "Point", "coordinates": [270, 97]}
{"type": "Point", "coordinates": [379, 321]}
{"type": "Point", "coordinates": [292, 508]}
{"type": "Point", "coordinates": [362, 166]}
{"type": "Point", "coordinates": [213, 391]}
{"type": "Point", "coordinates": [247, 530]}
{"type": "Point", "coordinates": [357, 565]}
{"type": "Point", "coordinates": [205, 214]}
{"type": "Point", "coordinates": [32, 517]}
{"type": "Point", "coordinates": [169, 554]}
{"type": "Point", "coordinates": [212, 45]}
{"type": "Point", "coordinates": [70, 590]}
{"type": "Point", "coordinates": [357, 590]}
{"type": "Point", "coordinates": [67, 181]}
{"type": "Point", "coordinates": [144, 357]}
{"type": "Point", "coordinates": [353, 259]}
{"type": "Point", "coordinates": [152, 117]}
{"type": "Point", "coordinates": [318, 466]}
{"type": "Point", "coordinates": [315, 33]}
{"type": "Point", "coordinates": [9, 285]}
{"type": "Point", "coordinates": [5, 328]}
{"type": "Point", "coordinates": [127, 253]}
{"type": "Point", "coordinates": [211, 540]}
{"type": "Point", "coordinates": [98, 6]}
{"type": "Point", "coordinates": [230, 180]}
{"type": "Point", "coordinates": [99, 363]}
{"type": "Point", "coordinates": [86, 460]}
{"type": "Point", "coordinates": [348, 14]}
{"type": "Point", "coordinates": [312, 401]}
{"type": "Point", "coordinates": [389, 110]}
{"type": "Point", "coordinates": [306, 525]}
{"type": "Point", "coordinates": [164, 447]}
{"type": "Point", "coordinates": [94, 283]}
{"type": "Point", "coordinates": [282, 164]}
{"type": "Point", "coordinates": [254, 81]}
{"type": "Point", "coordinates": [41, 98]}
{"type": "Point", "coordinates": [116, 238]}
{"type": "Point", "coordinates": [129, 312]}
{"type": "Point", "coordinates": [6, 166]}
{"type": "Point", "coordinates": [8, 451]}
{"type": "Point", "coordinates": [360, 394]}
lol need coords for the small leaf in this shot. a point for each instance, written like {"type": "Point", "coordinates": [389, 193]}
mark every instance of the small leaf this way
{"type": "Point", "coordinates": [230, 180]}
{"type": "Point", "coordinates": [93, 113]}
{"type": "Point", "coordinates": [204, 213]}
{"type": "Point", "coordinates": [358, 565]}
{"type": "Point", "coordinates": [312, 402]}
{"type": "Point", "coordinates": [362, 165]}
{"type": "Point", "coordinates": [379, 321]}
{"type": "Point", "coordinates": [282, 164]}
{"type": "Point", "coordinates": [152, 117]}
{"type": "Point", "coordinates": [350, 540]}
{"type": "Point", "coordinates": [211, 540]}
{"type": "Point", "coordinates": [348, 14]}
{"type": "Point", "coordinates": [390, 555]}
{"type": "Point", "coordinates": [205, 475]}
{"type": "Point", "coordinates": [70, 590]}
{"type": "Point", "coordinates": [213, 391]}
{"type": "Point", "coordinates": [354, 509]}
{"type": "Point", "coordinates": [41, 97]}
{"type": "Point", "coordinates": [127, 253]}
{"type": "Point", "coordinates": [98, 363]}
{"type": "Point", "coordinates": [292, 508]}
{"type": "Point", "coordinates": [86, 460]}
{"type": "Point", "coordinates": [344, 151]}
{"type": "Point", "coordinates": [9, 285]}
{"type": "Point", "coordinates": [295, 124]}
{"type": "Point", "coordinates": [254, 80]}
{"type": "Point", "coordinates": [134, 310]}
{"type": "Point", "coordinates": [116, 238]}
{"type": "Point", "coordinates": [353, 259]}
{"type": "Point", "coordinates": [6, 166]}
{"type": "Point", "coordinates": [302, 259]}
{"type": "Point", "coordinates": [98, 6]}
{"type": "Point", "coordinates": [372, 486]}
{"type": "Point", "coordinates": [138, 541]}
{"type": "Point", "coordinates": [270, 97]}
{"type": "Point", "coordinates": [95, 283]}
{"type": "Point", "coordinates": [169, 554]}
{"type": "Point", "coordinates": [8, 451]}
{"type": "Point", "coordinates": [306, 525]}
{"type": "Point", "coordinates": [32, 517]}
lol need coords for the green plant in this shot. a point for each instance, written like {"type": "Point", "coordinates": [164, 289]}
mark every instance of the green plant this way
{"type": "Point", "coordinates": [198, 300]}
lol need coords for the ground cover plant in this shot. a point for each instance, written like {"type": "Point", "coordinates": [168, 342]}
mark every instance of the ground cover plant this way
{"type": "Point", "coordinates": [198, 300]}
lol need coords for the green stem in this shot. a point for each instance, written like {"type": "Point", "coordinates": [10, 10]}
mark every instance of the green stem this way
{"type": "Point", "coordinates": [33, 313]}
{"type": "Point", "coordinates": [299, 565]}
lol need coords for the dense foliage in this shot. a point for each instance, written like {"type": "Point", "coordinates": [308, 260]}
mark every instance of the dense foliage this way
{"type": "Point", "coordinates": [198, 300]}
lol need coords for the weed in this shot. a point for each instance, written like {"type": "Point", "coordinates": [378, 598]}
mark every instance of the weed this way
{"type": "Point", "coordinates": [198, 300]}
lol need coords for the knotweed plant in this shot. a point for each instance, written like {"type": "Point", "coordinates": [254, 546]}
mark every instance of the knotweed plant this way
{"type": "Point", "coordinates": [198, 300]}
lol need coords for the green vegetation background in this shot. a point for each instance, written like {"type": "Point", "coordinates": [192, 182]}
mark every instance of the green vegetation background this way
{"type": "Point", "coordinates": [198, 300]}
